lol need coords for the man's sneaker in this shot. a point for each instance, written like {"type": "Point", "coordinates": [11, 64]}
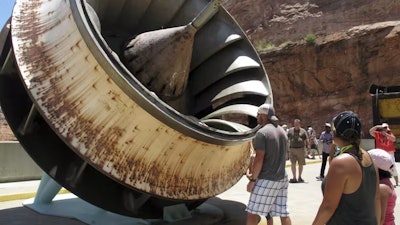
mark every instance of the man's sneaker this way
{"type": "Point", "coordinates": [320, 178]}
{"type": "Point", "coordinates": [300, 180]}
{"type": "Point", "coordinates": [292, 180]}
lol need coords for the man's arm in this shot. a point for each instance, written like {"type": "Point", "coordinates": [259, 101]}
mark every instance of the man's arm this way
{"type": "Point", "coordinates": [373, 129]}
{"type": "Point", "coordinates": [322, 137]}
{"type": "Point", "coordinates": [307, 139]}
{"type": "Point", "coordinates": [249, 171]}
{"type": "Point", "coordinates": [390, 136]}
{"type": "Point", "coordinates": [255, 169]}
{"type": "Point", "coordinates": [257, 164]}
{"type": "Point", "coordinates": [289, 133]}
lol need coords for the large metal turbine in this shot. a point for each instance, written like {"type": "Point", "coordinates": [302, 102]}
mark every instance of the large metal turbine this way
{"type": "Point", "coordinates": [132, 105]}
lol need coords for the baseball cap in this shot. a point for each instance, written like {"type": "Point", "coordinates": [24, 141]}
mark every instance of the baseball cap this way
{"type": "Point", "coordinates": [347, 124]}
{"type": "Point", "coordinates": [381, 158]}
{"type": "Point", "coordinates": [385, 125]}
{"type": "Point", "coordinates": [327, 124]}
{"type": "Point", "coordinates": [267, 109]}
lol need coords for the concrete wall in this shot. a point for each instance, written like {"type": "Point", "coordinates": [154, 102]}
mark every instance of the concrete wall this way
{"type": "Point", "coordinates": [16, 164]}
{"type": "Point", "coordinates": [368, 144]}
{"type": "Point", "coordinates": [365, 144]}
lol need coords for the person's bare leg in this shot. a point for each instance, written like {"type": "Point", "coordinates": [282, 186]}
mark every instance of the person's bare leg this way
{"type": "Point", "coordinates": [270, 220]}
{"type": "Point", "coordinates": [396, 179]}
{"type": "Point", "coordinates": [300, 170]}
{"type": "Point", "coordinates": [312, 154]}
{"type": "Point", "coordinates": [252, 219]}
{"type": "Point", "coordinates": [293, 167]}
{"type": "Point", "coordinates": [286, 221]}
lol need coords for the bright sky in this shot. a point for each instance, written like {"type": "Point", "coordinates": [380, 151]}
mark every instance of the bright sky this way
{"type": "Point", "coordinates": [5, 11]}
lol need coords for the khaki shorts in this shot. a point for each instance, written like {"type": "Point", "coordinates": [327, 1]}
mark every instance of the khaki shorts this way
{"type": "Point", "coordinates": [297, 155]}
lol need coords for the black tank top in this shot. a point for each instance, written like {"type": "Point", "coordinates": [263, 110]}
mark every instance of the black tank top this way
{"type": "Point", "coordinates": [357, 208]}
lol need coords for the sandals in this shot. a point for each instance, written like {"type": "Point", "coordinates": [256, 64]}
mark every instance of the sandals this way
{"type": "Point", "coordinates": [293, 180]}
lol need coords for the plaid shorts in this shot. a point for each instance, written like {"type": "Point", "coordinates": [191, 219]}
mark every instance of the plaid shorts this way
{"type": "Point", "coordinates": [269, 197]}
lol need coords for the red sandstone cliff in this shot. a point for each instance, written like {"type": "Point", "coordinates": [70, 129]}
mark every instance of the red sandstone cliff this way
{"type": "Point", "coordinates": [315, 82]}
{"type": "Point", "coordinates": [279, 21]}
{"type": "Point", "coordinates": [356, 46]}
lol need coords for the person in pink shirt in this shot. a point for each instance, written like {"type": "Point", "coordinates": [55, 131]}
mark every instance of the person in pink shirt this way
{"type": "Point", "coordinates": [388, 195]}
{"type": "Point", "coordinates": [384, 139]}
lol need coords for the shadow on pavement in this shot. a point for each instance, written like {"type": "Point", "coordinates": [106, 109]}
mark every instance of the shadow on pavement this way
{"type": "Point", "coordinates": [25, 216]}
{"type": "Point", "coordinates": [233, 214]}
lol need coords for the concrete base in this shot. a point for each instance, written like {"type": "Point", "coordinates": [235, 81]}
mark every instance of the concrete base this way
{"type": "Point", "coordinates": [47, 202]}
{"type": "Point", "coordinates": [70, 206]}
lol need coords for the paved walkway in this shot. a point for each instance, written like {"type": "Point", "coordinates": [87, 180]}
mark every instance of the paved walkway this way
{"type": "Point", "coordinates": [304, 200]}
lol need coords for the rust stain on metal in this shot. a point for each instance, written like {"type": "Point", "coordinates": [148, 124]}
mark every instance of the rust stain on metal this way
{"type": "Point", "coordinates": [105, 126]}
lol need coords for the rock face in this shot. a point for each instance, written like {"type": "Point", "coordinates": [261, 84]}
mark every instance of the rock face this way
{"type": "Point", "coordinates": [357, 45]}
{"type": "Point", "coordinates": [314, 82]}
{"type": "Point", "coordinates": [5, 132]}
{"type": "Point", "coordinates": [280, 21]}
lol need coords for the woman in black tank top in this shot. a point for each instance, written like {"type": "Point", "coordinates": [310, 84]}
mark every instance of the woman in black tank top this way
{"type": "Point", "coordinates": [350, 189]}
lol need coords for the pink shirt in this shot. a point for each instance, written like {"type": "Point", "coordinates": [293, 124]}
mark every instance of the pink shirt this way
{"type": "Point", "coordinates": [389, 217]}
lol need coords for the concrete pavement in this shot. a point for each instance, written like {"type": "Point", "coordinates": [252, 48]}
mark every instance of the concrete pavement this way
{"type": "Point", "coordinates": [303, 200]}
